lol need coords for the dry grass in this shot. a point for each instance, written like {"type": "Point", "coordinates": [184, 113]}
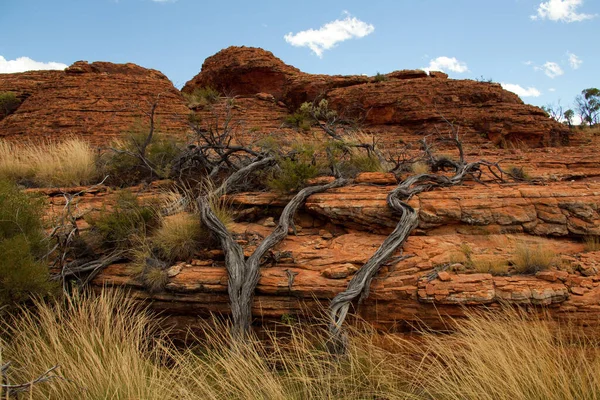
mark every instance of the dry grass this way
{"type": "Point", "coordinates": [419, 168]}
{"type": "Point", "coordinates": [68, 163]}
{"type": "Point", "coordinates": [178, 236]}
{"type": "Point", "coordinates": [108, 349]}
{"type": "Point", "coordinates": [529, 259]}
{"type": "Point", "coordinates": [592, 243]}
{"type": "Point", "coordinates": [494, 267]}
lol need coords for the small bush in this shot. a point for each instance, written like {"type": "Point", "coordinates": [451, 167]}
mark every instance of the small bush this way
{"type": "Point", "coordinates": [518, 173]}
{"type": "Point", "coordinates": [529, 260]}
{"type": "Point", "coordinates": [22, 274]}
{"type": "Point", "coordinates": [592, 243]}
{"type": "Point", "coordinates": [298, 120]}
{"type": "Point", "coordinates": [9, 102]}
{"type": "Point", "coordinates": [178, 236]}
{"type": "Point", "coordinates": [202, 97]}
{"type": "Point", "coordinates": [126, 220]}
{"type": "Point", "coordinates": [68, 163]}
{"type": "Point", "coordinates": [359, 162]}
{"type": "Point", "coordinates": [124, 168]}
{"type": "Point", "coordinates": [380, 78]}
{"type": "Point", "coordinates": [294, 172]}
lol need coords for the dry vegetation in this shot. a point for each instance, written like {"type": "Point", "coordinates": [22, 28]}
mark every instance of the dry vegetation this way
{"type": "Point", "coordinates": [108, 348]}
{"type": "Point", "coordinates": [68, 163]}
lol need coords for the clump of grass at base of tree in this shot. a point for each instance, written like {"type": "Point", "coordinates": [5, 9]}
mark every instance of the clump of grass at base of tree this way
{"type": "Point", "coordinates": [202, 97]}
{"type": "Point", "coordinates": [420, 168]}
{"type": "Point", "coordinates": [23, 274]}
{"type": "Point", "coordinates": [500, 355]}
{"type": "Point", "coordinates": [127, 219]}
{"type": "Point", "coordinates": [68, 163]}
{"type": "Point", "coordinates": [529, 259]}
{"type": "Point", "coordinates": [299, 121]}
{"type": "Point", "coordinates": [179, 236]}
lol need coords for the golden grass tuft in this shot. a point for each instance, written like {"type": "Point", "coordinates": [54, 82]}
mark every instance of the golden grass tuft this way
{"type": "Point", "coordinates": [419, 168]}
{"type": "Point", "coordinates": [528, 259]}
{"type": "Point", "coordinates": [68, 163]}
{"type": "Point", "coordinates": [178, 236]}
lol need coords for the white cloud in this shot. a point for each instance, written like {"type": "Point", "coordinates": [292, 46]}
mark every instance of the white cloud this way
{"type": "Point", "coordinates": [23, 64]}
{"type": "Point", "coordinates": [574, 61]}
{"type": "Point", "coordinates": [551, 69]}
{"type": "Point", "coordinates": [446, 64]}
{"type": "Point", "coordinates": [330, 34]}
{"type": "Point", "coordinates": [521, 91]}
{"type": "Point", "coordinates": [561, 10]}
{"type": "Point", "coordinates": [552, 89]}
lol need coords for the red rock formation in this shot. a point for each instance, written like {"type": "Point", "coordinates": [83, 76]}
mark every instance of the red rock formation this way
{"type": "Point", "coordinates": [410, 99]}
{"type": "Point", "coordinates": [98, 101]}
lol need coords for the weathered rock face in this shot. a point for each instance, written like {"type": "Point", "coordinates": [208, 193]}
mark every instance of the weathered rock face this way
{"type": "Point", "coordinates": [98, 101]}
{"type": "Point", "coordinates": [411, 99]}
{"type": "Point", "coordinates": [244, 71]}
{"type": "Point", "coordinates": [316, 264]}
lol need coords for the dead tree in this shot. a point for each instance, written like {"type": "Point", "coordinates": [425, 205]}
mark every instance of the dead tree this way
{"type": "Point", "coordinates": [358, 287]}
{"type": "Point", "coordinates": [243, 273]}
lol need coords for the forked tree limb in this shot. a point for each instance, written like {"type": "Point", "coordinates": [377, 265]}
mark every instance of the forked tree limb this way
{"type": "Point", "coordinates": [243, 274]}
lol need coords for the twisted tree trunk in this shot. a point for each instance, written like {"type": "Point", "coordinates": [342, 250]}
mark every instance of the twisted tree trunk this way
{"type": "Point", "coordinates": [243, 274]}
{"type": "Point", "coordinates": [358, 287]}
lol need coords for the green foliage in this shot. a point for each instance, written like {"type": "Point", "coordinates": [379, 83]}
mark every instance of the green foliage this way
{"type": "Point", "coordinates": [588, 105]}
{"type": "Point", "coordinates": [125, 167]}
{"type": "Point", "coordinates": [22, 274]}
{"type": "Point", "coordinates": [380, 78]}
{"type": "Point", "coordinates": [569, 115]}
{"type": "Point", "coordinates": [9, 102]}
{"type": "Point", "coordinates": [202, 97]}
{"type": "Point", "coordinates": [126, 220]}
{"type": "Point", "coordinates": [298, 120]}
{"type": "Point", "coordinates": [294, 171]}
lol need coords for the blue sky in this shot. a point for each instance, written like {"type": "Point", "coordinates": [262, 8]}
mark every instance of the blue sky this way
{"type": "Point", "coordinates": [547, 50]}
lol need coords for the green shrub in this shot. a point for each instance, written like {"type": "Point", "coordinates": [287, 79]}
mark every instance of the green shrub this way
{"type": "Point", "coordinates": [127, 219]}
{"type": "Point", "coordinates": [9, 103]}
{"type": "Point", "coordinates": [298, 120]}
{"type": "Point", "coordinates": [123, 166]}
{"type": "Point", "coordinates": [294, 172]}
{"type": "Point", "coordinates": [22, 274]}
{"type": "Point", "coordinates": [380, 78]}
{"type": "Point", "coordinates": [202, 97]}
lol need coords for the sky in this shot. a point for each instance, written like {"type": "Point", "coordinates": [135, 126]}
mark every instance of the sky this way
{"type": "Point", "coordinates": [545, 51]}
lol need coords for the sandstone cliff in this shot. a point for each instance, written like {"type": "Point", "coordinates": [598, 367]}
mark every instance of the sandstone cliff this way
{"type": "Point", "coordinates": [98, 101]}
{"type": "Point", "coordinates": [412, 100]}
